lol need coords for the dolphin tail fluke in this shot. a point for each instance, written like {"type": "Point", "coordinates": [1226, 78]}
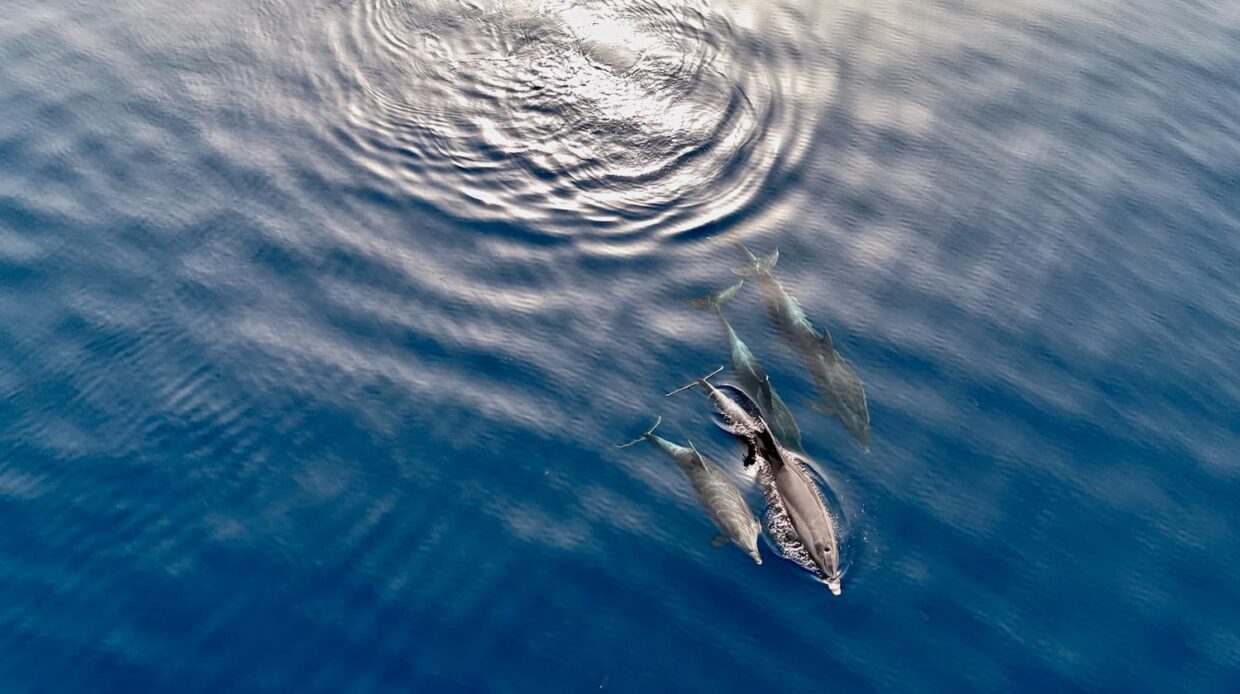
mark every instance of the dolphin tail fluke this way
{"type": "Point", "coordinates": [767, 263]}
{"type": "Point", "coordinates": [755, 265]}
{"type": "Point", "coordinates": [696, 382]}
{"type": "Point", "coordinates": [716, 299]}
{"type": "Point", "coordinates": [639, 439]}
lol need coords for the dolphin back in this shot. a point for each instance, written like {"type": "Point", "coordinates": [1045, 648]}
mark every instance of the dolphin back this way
{"type": "Point", "coordinates": [724, 421]}
{"type": "Point", "coordinates": [723, 502]}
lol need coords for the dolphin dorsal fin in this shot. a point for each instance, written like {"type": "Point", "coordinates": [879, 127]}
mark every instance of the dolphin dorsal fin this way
{"type": "Point", "coordinates": [697, 455]}
{"type": "Point", "coordinates": [824, 339]}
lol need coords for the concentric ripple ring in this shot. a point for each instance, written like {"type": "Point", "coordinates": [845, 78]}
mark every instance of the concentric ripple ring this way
{"type": "Point", "coordinates": [603, 118]}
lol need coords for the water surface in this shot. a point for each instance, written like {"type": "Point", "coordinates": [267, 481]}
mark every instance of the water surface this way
{"type": "Point", "coordinates": [319, 321]}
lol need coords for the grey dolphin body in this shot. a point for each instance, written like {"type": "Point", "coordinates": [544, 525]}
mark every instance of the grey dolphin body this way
{"type": "Point", "coordinates": [792, 490]}
{"type": "Point", "coordinates": [752, 377]}
{"type": "Point", "coordinates": [806, 512]}
{"type": "Point", "coordinates": [839, 388]}
{"type": "Point", "coordinates": [715, 491]}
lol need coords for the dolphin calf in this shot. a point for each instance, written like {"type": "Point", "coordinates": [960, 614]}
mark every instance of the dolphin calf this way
{"type": "Point", "coordinates": [714, 490]}
{"type": "Point", "coordinates": [752, 377]}
{"type": "Point", "coordinates": [792, 496]}
{"type": "Point", "coordinates": [839, 388]}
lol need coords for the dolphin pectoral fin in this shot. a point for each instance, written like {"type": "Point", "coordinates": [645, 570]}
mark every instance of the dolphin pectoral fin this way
{"type": "Point", "coordinates": [719, 541]}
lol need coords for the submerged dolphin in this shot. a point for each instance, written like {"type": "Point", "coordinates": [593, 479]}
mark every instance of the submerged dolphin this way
{"type": "Point", "coordinates": [791, 492]}
{"type": "Point", "coordinates": [753, 378]}
{"type": "Point", "coordinates": [715, 491]}
{"type": "Point", "coordinates": [839, 388]}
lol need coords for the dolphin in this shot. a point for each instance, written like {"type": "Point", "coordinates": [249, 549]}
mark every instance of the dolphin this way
{"type": "Point", "coordinates": [752, 377]}
{"type": "Point", "coordinates": [839, 388]}
{"type": "Point", "coordinates": [714, 490]}
{"type": "Point", "coordinates": [791, 492]}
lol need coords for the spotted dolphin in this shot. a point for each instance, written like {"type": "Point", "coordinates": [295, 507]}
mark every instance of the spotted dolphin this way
{"type": "Point", "coordinates": [841, 394]}
{"type": "Point", "coordinates": [752, 377]}
{"type": "Point", "coordinates": [715, 491]}
{"type": "Point", "coordinates": [791, 488]}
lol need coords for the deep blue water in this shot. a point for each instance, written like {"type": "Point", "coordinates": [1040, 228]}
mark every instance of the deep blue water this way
{"type": "Point", "coordinates": [319, 322]}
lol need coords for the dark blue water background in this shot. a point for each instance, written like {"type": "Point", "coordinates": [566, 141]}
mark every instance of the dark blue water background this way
{"type": "Point", "coordinates": [319, 320]}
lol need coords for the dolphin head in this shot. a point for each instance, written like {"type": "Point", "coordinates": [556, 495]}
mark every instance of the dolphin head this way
{"type": "Point", "coordinates": [833, 583]}
{"type": "Point", "coordinates": [751, 541]}
{"type": "Point", "coordinates": [858, 426]}
{"type": "Point", "coordinates": [829, 564]}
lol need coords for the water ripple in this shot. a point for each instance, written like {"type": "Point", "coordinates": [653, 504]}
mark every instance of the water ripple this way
{"type": "Point", "coordinates": [595, 118]}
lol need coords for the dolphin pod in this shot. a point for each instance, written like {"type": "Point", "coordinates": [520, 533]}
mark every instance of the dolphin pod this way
{"type": "Point", "coordinates": [715, 491]}
{"type": "Point", "coordinates": [839, 388]}
{"type": "Point", "coordinates": [797, 518]}
{"type": "Point", "coordinates": [790, 493]}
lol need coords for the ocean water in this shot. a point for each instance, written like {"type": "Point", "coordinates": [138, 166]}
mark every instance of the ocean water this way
{"type": "Point", "coordinates": [319, 322]}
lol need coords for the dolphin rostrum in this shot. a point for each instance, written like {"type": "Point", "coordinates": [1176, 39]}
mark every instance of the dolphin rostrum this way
{"type": "Point", "coordinates": [752, 377]}
{"type": "Point", "coordinates": [714, 490]}
{"type": "Point", "coordinates": [792, 495]}
{"type": "Point", "coordinates": [839, 388]}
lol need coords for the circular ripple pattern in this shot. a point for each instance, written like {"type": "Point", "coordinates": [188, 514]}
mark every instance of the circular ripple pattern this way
{"type": "Point", "coordinates": [601, 117]}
